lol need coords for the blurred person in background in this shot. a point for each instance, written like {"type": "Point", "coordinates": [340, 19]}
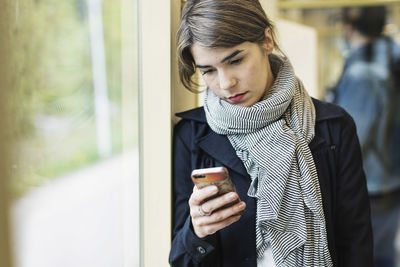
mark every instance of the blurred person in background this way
{"type": "Point", "coordinates": [369, 90]}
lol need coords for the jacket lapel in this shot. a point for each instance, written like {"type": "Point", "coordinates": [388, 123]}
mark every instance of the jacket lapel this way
{"type": "Point", "coordinates": [219, 147]}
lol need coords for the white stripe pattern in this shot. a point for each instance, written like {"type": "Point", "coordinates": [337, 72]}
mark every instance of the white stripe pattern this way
{"type": "Point", "coordinates": [271, 138]}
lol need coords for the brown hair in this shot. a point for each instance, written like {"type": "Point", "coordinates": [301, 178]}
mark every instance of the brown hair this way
{"type": "Point", "coordinates": [217, 23]}
{"type": "Point", "coordinates": [369, 21]}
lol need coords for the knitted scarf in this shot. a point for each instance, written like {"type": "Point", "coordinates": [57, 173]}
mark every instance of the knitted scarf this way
{"type": "Point", "coordinates": [271, 138]}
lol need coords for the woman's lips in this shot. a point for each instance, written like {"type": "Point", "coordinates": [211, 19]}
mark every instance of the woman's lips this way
{"type": "Point", "coordinates": [236, 98]}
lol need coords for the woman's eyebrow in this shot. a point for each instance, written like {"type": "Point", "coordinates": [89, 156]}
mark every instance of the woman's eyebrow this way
{"type": "Point", "coordinates": [236, 52]}
{"type": "Point", "coordinates": [231, 55]}
{"type": "Point", "coordinates": [203, 66]}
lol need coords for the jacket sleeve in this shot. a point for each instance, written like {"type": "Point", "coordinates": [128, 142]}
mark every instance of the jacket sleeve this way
{"type": "Point", "coordinates": [353, 234]}
{"type": "Point", "coordinates": [187, 249]}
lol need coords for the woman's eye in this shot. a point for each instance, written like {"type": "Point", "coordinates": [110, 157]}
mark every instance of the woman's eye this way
{"type": "Point", "coordinates": [206, 71]}
{"type": "Point", "coordinates": [236, 61]}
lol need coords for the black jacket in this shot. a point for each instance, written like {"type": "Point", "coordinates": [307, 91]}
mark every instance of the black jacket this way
{"type": "Point", "coordinates": [337, 157]}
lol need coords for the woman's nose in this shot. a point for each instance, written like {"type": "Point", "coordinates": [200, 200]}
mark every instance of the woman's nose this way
{"type": "Point", "coordinates": [226, 80]}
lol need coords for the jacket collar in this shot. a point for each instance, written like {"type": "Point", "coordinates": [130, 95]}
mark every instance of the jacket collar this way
{"type": "Point", "coordinates": [219, 147]}
{"type": "Point", "coordinates": [216, 145]}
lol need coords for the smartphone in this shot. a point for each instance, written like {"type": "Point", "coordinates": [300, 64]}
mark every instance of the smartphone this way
{"type": "Point", "coordinates": [218, 176]}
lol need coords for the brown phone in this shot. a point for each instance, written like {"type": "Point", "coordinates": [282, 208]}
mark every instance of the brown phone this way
{"type": "Point", "coordinates": [218, 176]}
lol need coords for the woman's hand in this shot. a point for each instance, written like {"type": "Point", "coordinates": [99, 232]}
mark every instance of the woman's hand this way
{"type": "Point", "coordinates": [204, 224]}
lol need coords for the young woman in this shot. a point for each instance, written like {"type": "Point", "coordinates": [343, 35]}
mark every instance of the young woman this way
{"type": "Point", "coordinates": [295, 161]}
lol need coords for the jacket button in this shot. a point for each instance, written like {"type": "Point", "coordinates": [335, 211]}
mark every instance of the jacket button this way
{"type": "Point", "coordinates": [201, 250]}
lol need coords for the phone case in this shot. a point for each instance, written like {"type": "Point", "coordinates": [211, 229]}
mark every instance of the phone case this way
{"type": "Point", "coordinates": [218, 176]}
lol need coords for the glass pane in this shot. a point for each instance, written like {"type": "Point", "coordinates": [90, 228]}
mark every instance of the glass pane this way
{"type": "Point", "coordinates": [75, 142]}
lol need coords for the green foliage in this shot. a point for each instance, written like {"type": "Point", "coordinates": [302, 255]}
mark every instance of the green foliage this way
{"type": "Point", "coordinates": [52, 94]}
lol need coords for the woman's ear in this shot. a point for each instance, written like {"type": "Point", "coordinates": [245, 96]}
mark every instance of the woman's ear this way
{"type": "Point", "coordinates": [268, 43]}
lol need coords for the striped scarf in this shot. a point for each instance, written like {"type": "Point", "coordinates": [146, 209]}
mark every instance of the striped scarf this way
{"type": "Point", "coordinates": [271, 138]}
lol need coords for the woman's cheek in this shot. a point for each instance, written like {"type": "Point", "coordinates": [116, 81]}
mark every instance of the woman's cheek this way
{"type": "Point", "coordinates": [214, 86]}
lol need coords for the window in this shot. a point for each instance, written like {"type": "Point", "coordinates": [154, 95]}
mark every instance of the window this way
{"type": "Point", "coordinates": [75, 153]}
{"type": "Point", "coordinates": [81, 130]}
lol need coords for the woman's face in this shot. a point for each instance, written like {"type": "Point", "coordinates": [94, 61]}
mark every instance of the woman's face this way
{"type": "Point", "coordinates": [240, 75]}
